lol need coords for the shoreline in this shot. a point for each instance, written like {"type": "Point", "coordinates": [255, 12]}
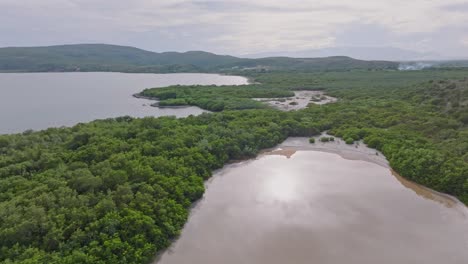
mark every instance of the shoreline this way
{"type": "Point", "coordinates": [156, 103]}
{"type": "Point", "coordinates": [360, 151]}
{"type": "Point", "coordinates": [357, 151]}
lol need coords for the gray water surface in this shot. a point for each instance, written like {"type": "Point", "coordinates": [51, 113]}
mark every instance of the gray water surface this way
{"type": "Point", "coordinates": [41, 100]}
{"type": "Point", "coordinates": [323, 203]}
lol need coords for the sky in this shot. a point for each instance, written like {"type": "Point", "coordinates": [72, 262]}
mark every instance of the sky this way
{"type": "Point", "coordinates": [240, 27]}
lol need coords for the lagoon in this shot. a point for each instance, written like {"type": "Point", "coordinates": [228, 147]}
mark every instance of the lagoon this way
{"type": "Point", "coordinates": [320, 203]}
{"type": "Point", "coordinates": [41, 100]}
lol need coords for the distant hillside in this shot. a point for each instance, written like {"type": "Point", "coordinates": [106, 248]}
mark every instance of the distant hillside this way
{"type": "Point", "coordinates": [91, 57]}
{"type": "Point", "coordinates": [312, 64]}
{"type": "Point", "coordinates": [102, 57]}
{"type": "Point", "coordinates": [361, 53]}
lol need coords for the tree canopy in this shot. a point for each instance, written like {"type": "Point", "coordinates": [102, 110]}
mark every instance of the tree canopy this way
{"type": "Point", "coordinates": [118, 190]}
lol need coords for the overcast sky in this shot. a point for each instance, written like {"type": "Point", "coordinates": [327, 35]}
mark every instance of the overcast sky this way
{"type": "Point", "coordinates": [239, 26]}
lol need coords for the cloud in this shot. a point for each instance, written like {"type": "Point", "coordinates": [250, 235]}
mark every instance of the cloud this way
{"type": "Point", "coordinates": [464, 41]}
{"type": "Point", "coordinates": [234, 26]}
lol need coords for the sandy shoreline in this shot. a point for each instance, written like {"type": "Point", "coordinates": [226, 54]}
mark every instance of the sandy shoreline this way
{"type": "Point", "coordinates": [302, 199]}
{"type": "Point", "coordinates": [356, 151]}
{"type": "Point", "coordinates": [156, 103]}
{"type": "Point", "coordinates": [359, 151]}
{"type": "Point", "coordinates": [300, 100]}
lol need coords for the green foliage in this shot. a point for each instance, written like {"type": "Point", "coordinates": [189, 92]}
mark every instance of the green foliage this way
{"type": "Point", "coordinates": [215, 98]}
{"type": "Point", "coordinates": [311, 140]}
{"type": "Point", "coordinates": [416, 118]}
{"type": "Point", "coordinates": [173, 102]}
{"type": "Point", "coordinates": [326, 139]}
{"type": "Point", "coordinates": [423, 144]}
{"type": "Point", "coordinates": [448, 96]}
{"type": "Point", "coordinates": [118, 190]}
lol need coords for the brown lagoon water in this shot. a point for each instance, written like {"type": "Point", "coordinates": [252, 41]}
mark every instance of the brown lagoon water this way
{"type": "Point", "coordinates": [322, 203]}
{"type": "Point", "coordinates": [41, 100]}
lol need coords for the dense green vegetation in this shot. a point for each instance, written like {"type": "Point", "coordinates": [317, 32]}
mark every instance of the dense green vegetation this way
{"type": "Point", "coordinates": [118, 190]}
{"type": "Point", "coordinates": [421, 112]}
{"type": "Point", "coordinates": [417, 119]}
{"type": "Point", "coordinates": [327, 139]}
{"type": "Point", "coordinates": [427, 147]}
{"type": "Point", "coordinates": [447, 96]}
{"type": "Point", "coordinates": [101, 57]}
{"type": "Point", "coordinates": [215, 98]}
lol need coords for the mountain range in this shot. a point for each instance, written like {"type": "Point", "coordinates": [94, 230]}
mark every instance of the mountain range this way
{"type": "Point", "coordinates": [362, 53]}
{"type": "Point", "coordinates": [103, 57]}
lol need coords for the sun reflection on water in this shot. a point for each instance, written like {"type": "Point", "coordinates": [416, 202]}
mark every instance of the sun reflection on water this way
{"type": "Point", "coordinates": [281, 187]}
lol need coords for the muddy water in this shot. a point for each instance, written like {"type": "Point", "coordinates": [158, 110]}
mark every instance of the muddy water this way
{"type": "Point", "coordinates": [320, 203]}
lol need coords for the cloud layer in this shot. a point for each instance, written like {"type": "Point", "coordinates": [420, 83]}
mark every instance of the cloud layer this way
{"type": "Point", "coordinates": [240, 26]}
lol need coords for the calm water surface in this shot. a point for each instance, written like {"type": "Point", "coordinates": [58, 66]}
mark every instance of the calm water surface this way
{"type": "Point", "coordinates": [328, 203]}
{"type": "Point", "coordinates": [41, 100]}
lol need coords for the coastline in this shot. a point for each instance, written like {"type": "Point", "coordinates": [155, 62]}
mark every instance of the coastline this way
{"type": "Point", "coordinates": [360, 151]}
{"type": "Point", "coordinates": [288, 148]}
{"type": "Point", "coordinates": [156, 103]}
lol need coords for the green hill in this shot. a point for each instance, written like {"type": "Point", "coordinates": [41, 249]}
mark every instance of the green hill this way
{"type": "Point", "coordinates": [102, 57]}
{"type": "Point", "coordinates": [312, 64]}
